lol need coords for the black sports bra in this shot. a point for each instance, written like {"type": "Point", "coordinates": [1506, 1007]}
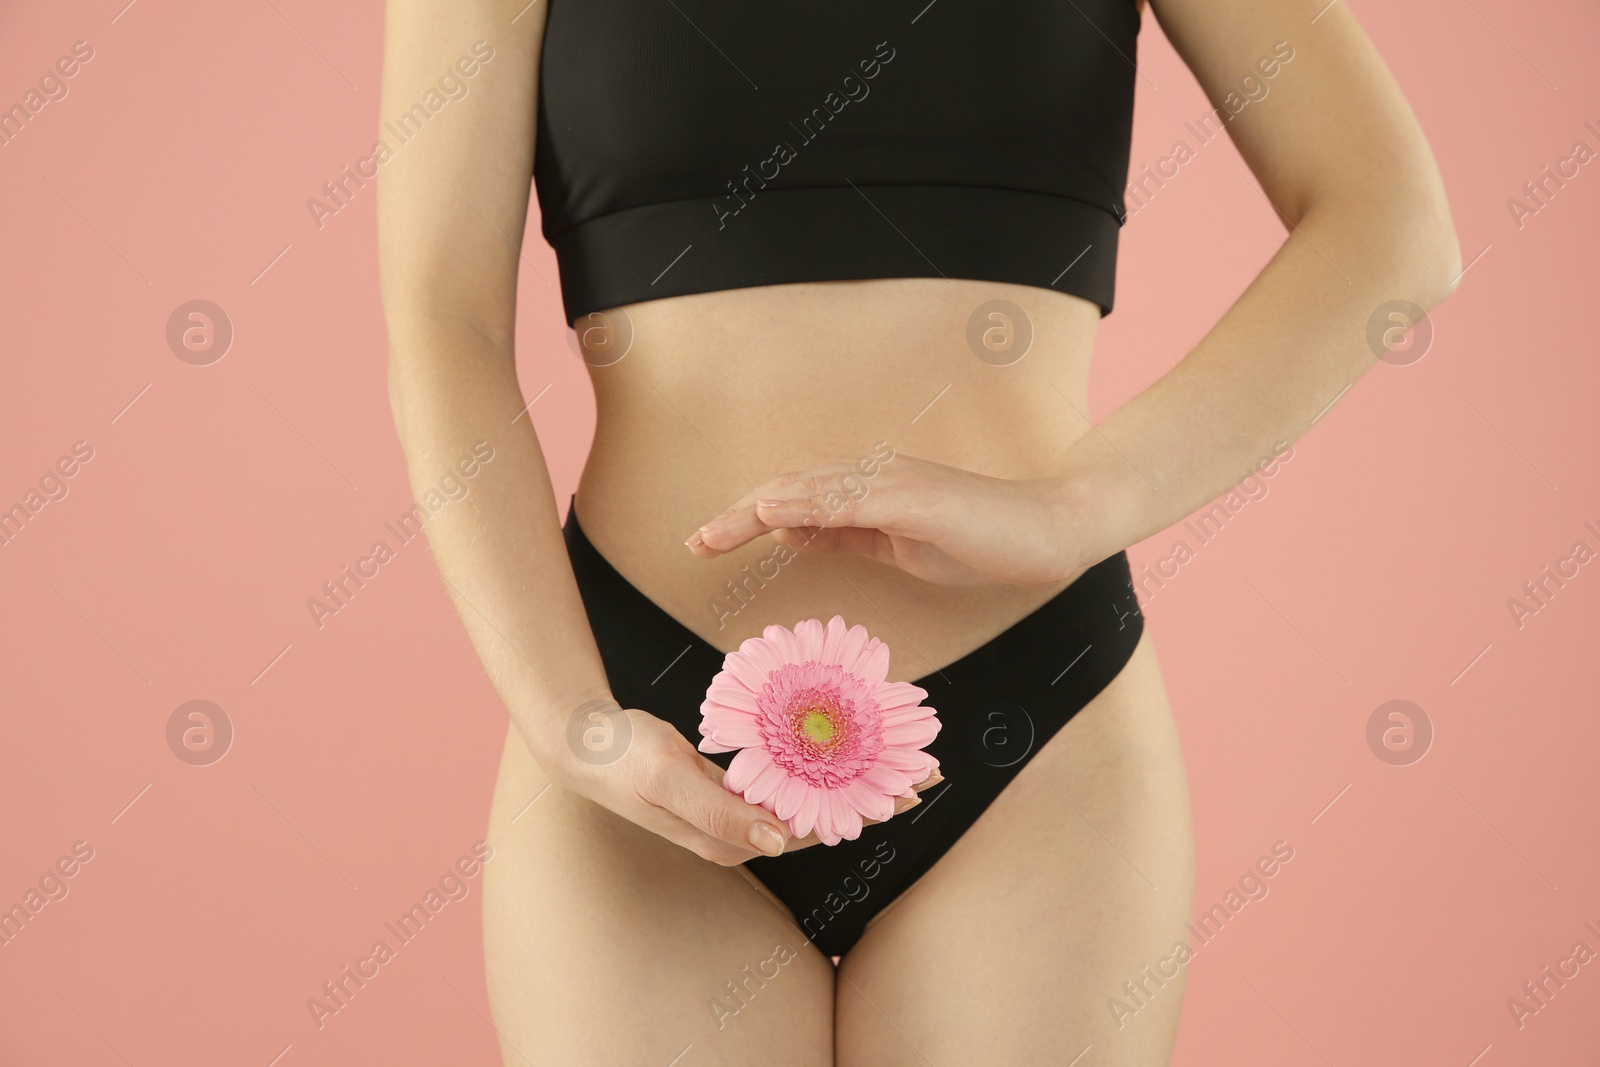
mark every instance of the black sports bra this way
{"type": "Point", "coordinates": [688, 146]}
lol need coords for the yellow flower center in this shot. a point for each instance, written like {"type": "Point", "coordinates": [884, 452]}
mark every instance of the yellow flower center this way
{"type": "Point", "coordinates": [817, 726]}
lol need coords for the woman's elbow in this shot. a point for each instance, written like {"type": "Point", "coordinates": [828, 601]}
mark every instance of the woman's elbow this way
{"type": "Point", "coordinates": [1396, 233]}
{"type": "Point", "coordinates": [1408, 244]}
{"type": "Point", "coordinates": [1429, 251]}
{"type": "Point", "coordinates": [1440, 267]}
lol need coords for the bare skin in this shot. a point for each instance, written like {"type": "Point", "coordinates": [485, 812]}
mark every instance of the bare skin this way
{"type": "Point", "coordinates": [606, 944]}
{"type": "Point", "coordinates": [617, 910]}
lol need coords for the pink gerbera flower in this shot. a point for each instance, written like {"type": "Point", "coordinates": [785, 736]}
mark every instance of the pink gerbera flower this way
{"type": "Point", "coordinates": [823, 740]}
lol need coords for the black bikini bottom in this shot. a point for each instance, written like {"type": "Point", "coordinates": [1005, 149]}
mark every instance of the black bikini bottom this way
{"type": "Point", "coordinates": [999, 704]}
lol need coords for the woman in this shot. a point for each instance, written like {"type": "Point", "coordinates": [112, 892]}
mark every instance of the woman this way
{"type": "Point", "coordinates": [836, 270]}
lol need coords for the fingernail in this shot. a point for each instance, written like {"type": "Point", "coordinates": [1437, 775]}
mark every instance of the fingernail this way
{"type": "Point", "coordinates": [766, 839]}
{"type": "Point", "coordinates": [713, 524]}
{"type": "Point", "coordinates": [694, 540]}
{"type": "Point", "coordinates": [769, 503]}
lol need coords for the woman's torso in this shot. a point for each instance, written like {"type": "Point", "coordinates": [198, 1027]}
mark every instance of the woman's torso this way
{"type": "Point", "coordinates": [719, 392]}
{"type": "Point", "coordinates": [716, 170]}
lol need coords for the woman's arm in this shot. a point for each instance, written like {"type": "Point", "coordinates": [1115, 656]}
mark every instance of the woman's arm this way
{"type": "Point", "coordinates": [1342, 159]}
{"type": "Point", "coordinates": [1343, 162]}
{"type": "Point", "coordinates": [452, 205]}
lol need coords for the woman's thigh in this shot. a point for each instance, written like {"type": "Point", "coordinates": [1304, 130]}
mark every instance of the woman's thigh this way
{"type": "Point", "coordinates": [1013, 946]}
{"type": "Point", "coordinates": [605, 944]}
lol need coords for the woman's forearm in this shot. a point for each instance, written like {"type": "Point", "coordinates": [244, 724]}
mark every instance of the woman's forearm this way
{"type": "Point", "coordinates": [1291, 344]}
{"type": "Point", "coordinates": [499, 547]}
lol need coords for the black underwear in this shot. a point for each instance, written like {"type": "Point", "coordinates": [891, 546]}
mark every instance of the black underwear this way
{"type": "Point", "coordinates": [999, 704]}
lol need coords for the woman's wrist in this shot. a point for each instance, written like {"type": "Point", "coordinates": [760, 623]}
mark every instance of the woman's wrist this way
{"type": "Point", "coordinates": [581, 722]}
{"type": "Point", "coordinates": [1101, 503]}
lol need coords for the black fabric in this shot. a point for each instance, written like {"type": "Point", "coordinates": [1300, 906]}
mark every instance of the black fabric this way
{"type": "Point", "coordinates": [999, 704]}
{"type": "Point", "coordinates": [700, 145]}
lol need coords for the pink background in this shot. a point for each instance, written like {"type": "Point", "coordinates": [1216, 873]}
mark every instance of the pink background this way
{"type": "Point", "coordinates": [179, 565]}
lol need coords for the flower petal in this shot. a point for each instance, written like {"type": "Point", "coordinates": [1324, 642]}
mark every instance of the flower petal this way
{"type": "Point", "coordinates": [901, 716]}
{"type": "Point", "coordinates": [886, 779]}
{"type": "Point", "coordinates": [913, 734]}
{"type": "Point", "coordinates": [730, 728]}
{"type": "Point", "coordinates": [825, 828]}
{"type": "Point", "coordinates": [730, 692]}
{"type": "Point", "coordinates": [808, 636]}
{"type": "Point", "coordinates": [846, 819]}
{"type": "Point", "coordinates": [749, 763]}
{"type": "Point", "coordinates": [872, 665]}
{"type": "Point", "coordinates": [805, 820]}
{"type": "Point", "coordinates": [843, 821]}
{"type": "Point", "coordinates": [855, 643]}
{"type": "Point", "coordinates": [762, 653]}
{"type": "Point", "coordinates": [913, 761]}
{"type": "Point", "coordinates": [766, 784]}
{"type": "Point", "coordinates": [782, 642]}
{"type": "Point", "coordinates": [740, 668]}
{"type": "Point", "coordinates": [787, 800]}
{"type": "Point", "coordinates": [893, 695]}
{"type": "Point", "coordinates": [833, 636]}
{"type": "Point", "coordinates": [867, 801]}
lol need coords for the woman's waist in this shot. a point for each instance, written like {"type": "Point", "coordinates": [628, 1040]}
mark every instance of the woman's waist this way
{"type": "Point", "coordinates": [638, 503]}
{"type": "Point", "coordinates": [750, 383]}
{"type": "Point", "coordinates": [702, 399]}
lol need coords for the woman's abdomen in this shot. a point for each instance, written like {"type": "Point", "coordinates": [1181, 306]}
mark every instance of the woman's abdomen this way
{"type": "Point", "coordinates": [703, 398]}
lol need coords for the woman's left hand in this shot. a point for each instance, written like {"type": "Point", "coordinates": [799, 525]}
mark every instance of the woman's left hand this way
{"type": "Point", "coordinates": [938, 523]}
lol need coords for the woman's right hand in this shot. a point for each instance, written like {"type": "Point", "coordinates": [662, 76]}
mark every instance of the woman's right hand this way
{"type": "Point", "coordinates": [641, 768]}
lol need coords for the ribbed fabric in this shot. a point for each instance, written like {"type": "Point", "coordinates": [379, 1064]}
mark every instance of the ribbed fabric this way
{"type": "Point", "coordinates": [701, 145]}
{"type": "Point", "coordinates": [999, 705]}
